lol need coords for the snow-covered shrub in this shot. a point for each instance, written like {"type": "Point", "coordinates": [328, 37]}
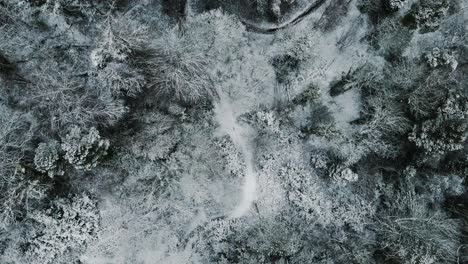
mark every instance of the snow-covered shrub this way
{"type": "Point", "coordinates": [268, 121]}
{"type": "Point", "coordinates": [319, 160]}
{"type": "Point", "coordinates": [290, 55]}
{"type": "Point", "coordinates": [310, 94]}
{"type": "Point", "coordinates": [429, 13]}
{"type": "Point", "coordinates": [443, 186]}
{"type": "Point", "coordinates": [177, 110]}
{"type": "Point", "coordinates": [19, 10]}
{"type": "Point", "coordinates": [46, 158]}
{"type": "Point", "coordinates": [83, 150]}
{"type": "Point", "coordinates": [438, 57]}
{"type": "Point", "coordinates": [68, 224]}
{"type": "Point", "coordinates": [396, 4]}
{"type": "Point", "coordinates": [121, 79]}
{"type": "Point", "coordinates": [447, 132]}
{"type": "Point", "coordinates": [343, 176]}
{"type": "Point", "coordinates": [178, 71]}
{"type": "Point", "coordinates": [392, 38]}
{"type": "Point", "coordinates": [285, 65]}
{"type": "Point", "coordinates": [324, 205]}
{"type": "Point", "coordinates": [456, 162]}
{"type": "Point", "coordinates": [344, 151]}
{"type": "Point", "coordinates": [320, 121]}
{"type": "Point", "coordinates": [305, 193]}
{"type": "Point", "coordinates": [158, 147]}
{"type": "Point", "coordinates": [235, 163]}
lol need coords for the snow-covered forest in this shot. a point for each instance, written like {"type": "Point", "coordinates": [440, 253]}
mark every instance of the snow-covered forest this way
{"type": "Point", "coordinates": [233, 131]}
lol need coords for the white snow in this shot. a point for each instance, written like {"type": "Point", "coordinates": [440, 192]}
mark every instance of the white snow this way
{"type": "Point", "coordinates": [239, 134]}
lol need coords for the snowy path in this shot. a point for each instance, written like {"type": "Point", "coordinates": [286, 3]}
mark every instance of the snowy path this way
{"type": "Point", "coordinates": [269, 28]}
{"type": "Point", "coordinates": [239, 134]}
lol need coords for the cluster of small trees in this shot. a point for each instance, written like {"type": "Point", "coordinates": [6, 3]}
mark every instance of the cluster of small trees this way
{"type": "Point", "coordinates": [68, 224]}
{"type": "Point", "coordinates": [52, 110]}
{"type": "Point", "coordinates": [447, 131]}
{"type": "Point", "coordinates": [80, 149]}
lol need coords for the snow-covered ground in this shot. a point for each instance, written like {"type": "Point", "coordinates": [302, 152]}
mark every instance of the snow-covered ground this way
{"type": "Point", "coordinates": [241, 136]}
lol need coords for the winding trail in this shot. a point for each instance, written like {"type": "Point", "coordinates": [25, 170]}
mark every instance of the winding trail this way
{"type": "Point", "coordinates": [291, 21]}
{"type": "Point", "coordinates": [270, 28]}
{"type": "Point", "coordinates": [239, 134]}
{"type": "Point", "coordinates": [227, 117]}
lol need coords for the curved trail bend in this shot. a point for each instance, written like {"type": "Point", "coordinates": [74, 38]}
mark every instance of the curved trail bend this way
{"type": "Point", "coordinates": [272, 28]}
{"type": "Point", "coordinates": [227, 119]}
{"type": "Point", "coordinates": [291, 21]}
